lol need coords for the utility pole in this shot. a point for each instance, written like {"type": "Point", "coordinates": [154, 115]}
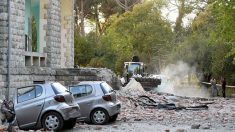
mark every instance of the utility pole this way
{"type": "Point", "coordinates": [9, 52]}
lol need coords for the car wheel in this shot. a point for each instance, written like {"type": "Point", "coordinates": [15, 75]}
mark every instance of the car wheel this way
{"type": "Point", "coordinates": [99, 116]}
{"type": "Point", "coordinates": [113, 118]}
{"type": "Point", "coordinates": [70, 123]}
{"type": "Point", "coordinates": [52, 121]}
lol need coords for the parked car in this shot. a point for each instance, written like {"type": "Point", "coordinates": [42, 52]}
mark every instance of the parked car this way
{"type": "Point", "coordinates": [97, 101]}
{"type": "Point", "coordinates": [49, 105]}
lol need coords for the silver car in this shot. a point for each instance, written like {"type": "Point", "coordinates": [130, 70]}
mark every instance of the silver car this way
{"type": "Point", "coordinates": [50, 106]}
{"type": "Point", "coordinates": [97, 101]}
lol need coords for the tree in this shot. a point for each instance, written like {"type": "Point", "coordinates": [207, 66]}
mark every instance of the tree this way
{"type": "Point", "coordinates": [127, 4]}
{"type": "Point", "coordinates": [208, 45]}
{"type": "Point", "coordinates": [83, 49]}
{"type": "Point", "coordinates": [141, 32]}
{"type": "Point", "coordinates": [183, 8]}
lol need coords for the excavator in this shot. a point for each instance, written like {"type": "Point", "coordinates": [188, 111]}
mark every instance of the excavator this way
{"type": "Point", "coordinates": [136, 69]}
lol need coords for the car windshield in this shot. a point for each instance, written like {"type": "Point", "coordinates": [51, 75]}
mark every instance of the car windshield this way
{"type": "Point", "coordinates": [106, 88]}
{"type": "Point", "coordinates": [132, 67]}
{"type": "Point", "coordinates": [58, 88]}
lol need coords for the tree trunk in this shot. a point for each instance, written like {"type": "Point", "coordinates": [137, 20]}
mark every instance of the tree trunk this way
{"type": "Point", "coordinates": [82, 25]}
{"type": "Point", "coordinates": [179, 19]}
{"type": "Point", "coordinates": [98, 26]}
{"type": "Point", "coordinates": [126, 5]}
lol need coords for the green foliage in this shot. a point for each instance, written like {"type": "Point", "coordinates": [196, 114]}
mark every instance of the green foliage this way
{"type": "Point", "coordinates": [140, 32]}
{"type": "Point", "coordinates": [84, 49]}
{"type": "Point", "coordinates": [210, 44]}
{"type": "Point", "coordinates": [225, 27]}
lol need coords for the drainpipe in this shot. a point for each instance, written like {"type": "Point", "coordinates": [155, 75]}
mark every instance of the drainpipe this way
{"type": "Point", "coordinates": [8, 51]}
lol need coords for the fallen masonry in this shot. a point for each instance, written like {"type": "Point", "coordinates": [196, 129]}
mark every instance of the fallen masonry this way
{"type": "Point", "coordinates": [170, 110]}
{"type": "Point", "coordinates": [146, 101]}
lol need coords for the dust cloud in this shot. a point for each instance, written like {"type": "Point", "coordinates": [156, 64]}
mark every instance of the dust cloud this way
{"type": "Point", "coordinates": [180, 79]}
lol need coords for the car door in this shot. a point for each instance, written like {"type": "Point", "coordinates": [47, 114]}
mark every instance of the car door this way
{"type": "Point", "coordinates": [83, 96]}
{"type": "Point", "coordinates": [28, 105]}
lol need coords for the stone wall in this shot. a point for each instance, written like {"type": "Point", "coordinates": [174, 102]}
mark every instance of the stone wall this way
{"type": "Point", "coordinates": [75, 75]}
{"type": "Point", "coordinates": [17, 33]}
{"type": "Point", "coordinates": [53, 41]}
{"type": "Point", "coordinates": [17, 38]}
{"type": "Point", "coordinates": [3, 33]}
{"type": "Point", "coordinates": [27, 76]}
{"type": "Point", "coordinates": [67, 33]}
{"type": "Point", "coordinates": [3, 44]}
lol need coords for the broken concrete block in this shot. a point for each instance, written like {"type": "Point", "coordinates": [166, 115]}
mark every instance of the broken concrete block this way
{"type": "Point", "coordinates": [195, 126]}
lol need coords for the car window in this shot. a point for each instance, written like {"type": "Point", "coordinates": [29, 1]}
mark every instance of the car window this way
{"type": "Point", "coordinates": [88, 89]}
{"type": "Point", "coordinates": [38, 90]}
{"type": "Point", "coordinates": [27, 93]}
{"type": "Point", "coordinates": [59, 88]}
{"type": "Point", "coordinates": [106, 88]}
{"type": "Point", "coordinates": [81, 90]}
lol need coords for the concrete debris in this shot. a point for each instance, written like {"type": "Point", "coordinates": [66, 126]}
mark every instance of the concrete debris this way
{"type": "Point", "coordinates": [195, 126]}
{"type": "Point", "coordinates": [98, 128]}
{"type": "Point", "coordinates": [141, 105]}
{"type": "Point", "coordinates": [2, 128]}
{"type": "Point", "coordinates": [205, 127]}
{"type": "Point", "coordinates": [133, 88]}
{"type": "Point", "coordinates": [180, 130]}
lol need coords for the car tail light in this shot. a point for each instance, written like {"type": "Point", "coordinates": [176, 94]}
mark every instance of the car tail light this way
{"type": "Point", "coordinates": [59, 98]}
{"type": "Point", "coordinates": [107, 97]}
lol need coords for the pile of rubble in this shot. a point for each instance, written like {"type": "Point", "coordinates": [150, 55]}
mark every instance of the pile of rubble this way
{"type": "Point", "coordinates": [166, 109]}
{"type": "Point", "coordinates": [2, 127]}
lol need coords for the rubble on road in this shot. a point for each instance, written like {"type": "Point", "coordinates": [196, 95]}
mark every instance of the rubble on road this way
{"type": "Point", "coordinates": [2, 128]}
{"type": "Point", "coordinates": [135, 92]}
{"type": "Point", "coordinates": [167, 109]}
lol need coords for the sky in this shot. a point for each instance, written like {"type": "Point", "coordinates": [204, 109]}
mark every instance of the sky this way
{"type": "Point", "coordinates": [169, 13]}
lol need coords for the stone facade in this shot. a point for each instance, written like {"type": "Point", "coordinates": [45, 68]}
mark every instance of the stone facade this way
{"type": "Point", "coordinates": [67, 35]}
{"type": "Point", "coordinates": [53, 34]}
{"type": "Point", "coordinates": [56, 49]}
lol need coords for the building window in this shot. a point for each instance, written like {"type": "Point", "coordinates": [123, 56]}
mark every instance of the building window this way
{"type": "Point", "coordinates": [32, 17]}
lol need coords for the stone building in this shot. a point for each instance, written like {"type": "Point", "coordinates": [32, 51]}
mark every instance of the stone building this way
{"type": "Point", "coordinates": [37, 44]}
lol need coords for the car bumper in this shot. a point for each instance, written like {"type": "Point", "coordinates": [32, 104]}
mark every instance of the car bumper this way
{"type": "Point", "coordinates": [113, 108]}
{"type": "Point", "coordinates": [70, 112]}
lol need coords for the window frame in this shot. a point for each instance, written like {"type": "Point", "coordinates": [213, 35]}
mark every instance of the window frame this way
{"type": "Point", "coordinates": [34, 87]}
{"type": "Point", "coordinates": [86, 91]}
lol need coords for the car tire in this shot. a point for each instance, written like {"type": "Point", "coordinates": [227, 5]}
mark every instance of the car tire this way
{"type": "Point", "coordinates": [113, 118]}
{"type": "Point", "coordinates": [52, 121]}
{"type": "Point", "coordinates": [70, 123]}
{"type": "Point", "coordinates": [99, 116]}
